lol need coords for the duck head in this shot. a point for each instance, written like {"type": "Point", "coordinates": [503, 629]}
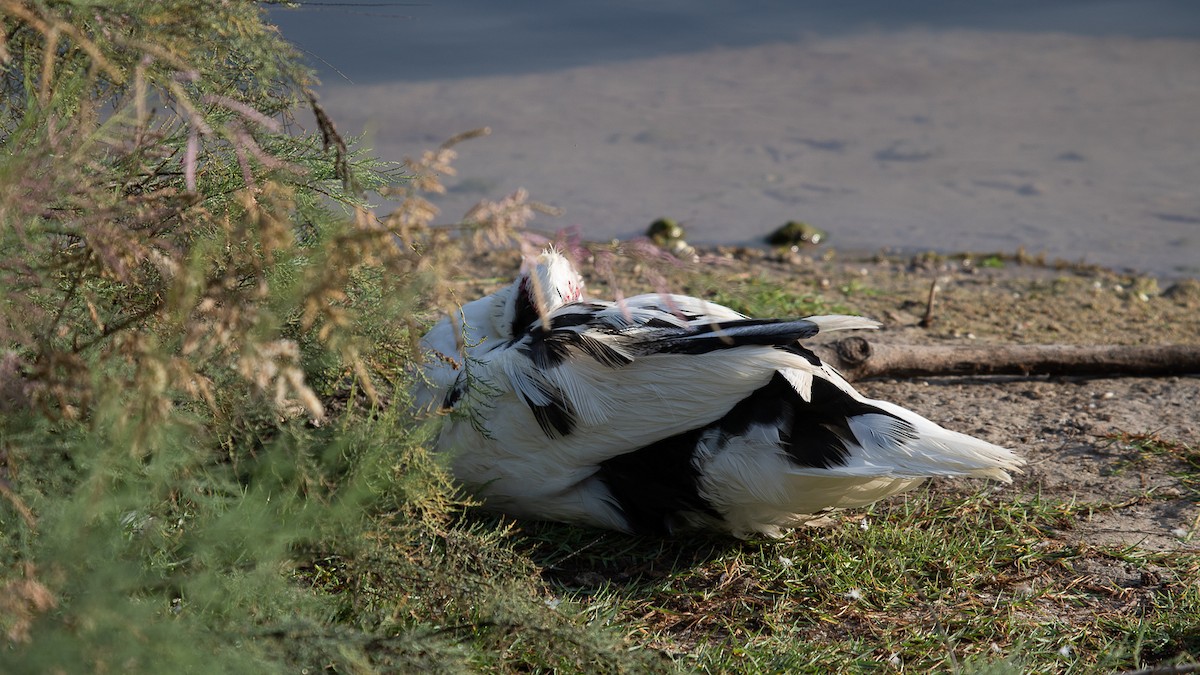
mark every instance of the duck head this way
{"type": "Point", "coordinates": [545, 284]}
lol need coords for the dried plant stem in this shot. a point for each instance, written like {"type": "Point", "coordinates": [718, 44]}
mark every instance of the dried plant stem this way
{"type": "Point", "coordinates": [18, 504]}
{"type": "Point", "coordinates": [927, 320]}
{"type": "Point", "coordinates": [331, 139]}
{"type": "Point", "coordinates": [113, 328]}
{"type": "Point", "coordinates": [465, 136]}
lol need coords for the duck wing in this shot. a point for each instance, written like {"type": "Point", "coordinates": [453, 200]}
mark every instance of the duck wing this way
{"type": "Point", "coordinates": [598, 380]}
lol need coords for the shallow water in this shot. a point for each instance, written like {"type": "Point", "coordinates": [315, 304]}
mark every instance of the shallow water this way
{"type": "Point", "coordinates": [1070, 128]}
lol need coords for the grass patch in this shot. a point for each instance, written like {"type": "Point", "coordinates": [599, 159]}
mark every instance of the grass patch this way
{"type": "Point", "coordinates": [938, 581]}
{"type": "Point", "coordinates": [1145, 446]}
{"type": "Point", "coordinates": [761, 297]}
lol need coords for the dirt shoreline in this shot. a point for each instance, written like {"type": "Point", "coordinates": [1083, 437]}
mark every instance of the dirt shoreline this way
{"type": "Point", "coordinates": [1068, 428]}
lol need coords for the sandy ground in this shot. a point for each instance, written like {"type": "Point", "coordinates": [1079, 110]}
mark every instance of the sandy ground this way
{"type": "Point", "coordinates": [1086, 148]}
{"type": "Point", "coordinates": [1061, 426]}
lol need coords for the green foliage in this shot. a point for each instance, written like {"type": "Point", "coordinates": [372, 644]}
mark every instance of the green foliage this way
{"type": "Point", "coordinates": [204, 343]}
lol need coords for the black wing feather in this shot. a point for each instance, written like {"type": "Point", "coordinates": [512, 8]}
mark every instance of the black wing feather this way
{"type": "Point", "coordinates": [730, 335]}
{"type": "Point", "coordinates": [556, 418]}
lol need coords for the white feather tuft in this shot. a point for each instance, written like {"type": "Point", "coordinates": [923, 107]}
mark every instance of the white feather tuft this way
{"type": "Point", "coordinates": [801, 381]}
{"type": "Point", "coordinates": [933, 451]}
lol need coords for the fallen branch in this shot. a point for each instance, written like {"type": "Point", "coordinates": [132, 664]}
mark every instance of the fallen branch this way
{"type": "Point", "coordinates": [858, 358]}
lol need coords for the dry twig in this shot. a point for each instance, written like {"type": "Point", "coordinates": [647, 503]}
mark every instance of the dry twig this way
{"type": "Point", "coordinates": [927, 320]}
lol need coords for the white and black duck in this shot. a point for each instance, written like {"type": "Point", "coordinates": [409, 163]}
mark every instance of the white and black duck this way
{"type": "Point", "coordinates": [666, 412]}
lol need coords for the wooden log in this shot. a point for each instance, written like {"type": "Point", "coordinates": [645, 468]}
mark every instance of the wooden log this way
{"type": "Point", "coordinates": [858, 358]}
